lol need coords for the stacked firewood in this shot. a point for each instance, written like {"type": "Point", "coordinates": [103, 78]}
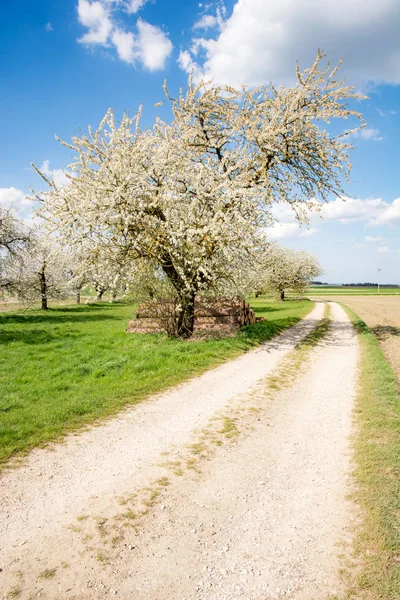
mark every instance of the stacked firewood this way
{"type": "Point", "coordinates": [210, 314]}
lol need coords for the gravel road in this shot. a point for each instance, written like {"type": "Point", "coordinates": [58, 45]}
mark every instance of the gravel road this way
{"type": "Point", "coordinates": [263, 519]}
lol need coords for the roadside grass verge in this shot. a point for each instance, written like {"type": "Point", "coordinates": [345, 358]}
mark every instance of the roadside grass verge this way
{"type": "Point", "coordinates": [73, 365]}
{"type": "Point", "coordinates": [376, 573]}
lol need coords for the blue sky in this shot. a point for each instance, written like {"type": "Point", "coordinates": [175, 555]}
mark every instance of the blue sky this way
{"type": "Point", "coordinates": [64, 63]}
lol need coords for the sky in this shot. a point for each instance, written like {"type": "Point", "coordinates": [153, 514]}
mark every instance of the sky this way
{"type": "Point", "coordinates": [63, 64]}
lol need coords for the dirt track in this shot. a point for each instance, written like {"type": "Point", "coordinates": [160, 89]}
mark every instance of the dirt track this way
{"type": "Point", "coordinates": [260, 519]}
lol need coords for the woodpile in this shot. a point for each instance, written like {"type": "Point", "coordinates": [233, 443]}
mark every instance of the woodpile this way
{"type": "Point", "coordinates": [211, 314]}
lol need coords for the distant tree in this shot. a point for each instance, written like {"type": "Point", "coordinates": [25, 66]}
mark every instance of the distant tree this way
{"type": "Point", "coordinates": [192, 195]}
{"type": "Point", "coordinates": [287, 269]}
{"type": "Point", "coordinates": [40, 271]}
{"type": "Point", "coordinates": [14, 239]}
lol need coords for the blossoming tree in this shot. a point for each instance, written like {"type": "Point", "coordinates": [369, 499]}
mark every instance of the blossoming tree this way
{"type": "Point", "coordinates": [285, 269]}
{"type": "Point", "coordinates": [193, 195]}
{"type": "Point", "coordinates": [14, 237]}
{"type": "Point", "coordinates": [41, 271]}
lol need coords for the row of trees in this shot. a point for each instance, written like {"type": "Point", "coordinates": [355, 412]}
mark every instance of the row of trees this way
{"type": "Point", "coordinates": [35, 266]}
{"type": "Point", "coordinates": [186, 204]}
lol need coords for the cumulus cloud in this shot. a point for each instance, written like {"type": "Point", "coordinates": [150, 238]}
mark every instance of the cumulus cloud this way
{"type": "Point", "coordinates": [59, 176]}
{"type": "Point", "coordinates": [49, 27]}
{"type": "Point", "coordinates": [383, 249]}
{"type": "Point", "coordinates": [289, 230]}
{"type": "Point", "coordinates": [154, 47]}
{"type": "Point", "coordinates": [208, 21]}
{"type": "Point", "coordinates": [346, 210]}
{"type": "Point", "coordinates": [371, 211]}
{"type": "Point", "coordinates": [134, 6]}
{"type": "Point", "coordinates": [15, 198]}
{"type": "Point", "coordinates": [95, 16]}
{"type": "Point", "coordinates": [124, 42]}
{"type": "Point", "coordinates": [391, 214]}
{"type": "Point", "coordinates": [149, 45]}
{"type": "Point", "coordinates": [261, 40]}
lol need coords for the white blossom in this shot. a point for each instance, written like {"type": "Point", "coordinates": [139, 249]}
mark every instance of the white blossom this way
{"type": "Point", "coordinates": [194, 196]}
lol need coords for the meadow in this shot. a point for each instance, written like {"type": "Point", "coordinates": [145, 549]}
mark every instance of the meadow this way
{"type": "Point", "coordinates": [73, 365]}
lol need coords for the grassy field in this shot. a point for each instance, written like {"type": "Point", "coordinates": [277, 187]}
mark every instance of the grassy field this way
{"type": "Point", "coordinates": [322, 290]}
{"type": "Point", "coordinates": [70, 366]}
{"type": "Point", "coordinates": [376, 573]}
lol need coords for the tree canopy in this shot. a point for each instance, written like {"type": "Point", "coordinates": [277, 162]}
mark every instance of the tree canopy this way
{"type": "Point", "coordinates": [194, 196]}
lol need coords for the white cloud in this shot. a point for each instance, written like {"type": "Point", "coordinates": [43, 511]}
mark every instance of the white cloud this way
{"type": "Point", "coordinates": [391, 214]}
{"type": "Point", "coordinates": [369, 133]}
{"type": "Point", "coordinates": [134, 6]}
{"type": "Point", "coordinates": [383, 249]}
{"type": "Point", "coordinates": [154, 46]}
{"type": "Point", "coordinates": [261, 40]}
{"type": "Point", "coordinates": [371, 211]}
{"type": "Point", "coordinates": [124, 42]}
{"type": "Point", "coordinates": [347, 210]}
{"type": "Point", "coordinates": [57, 175]}
{"type": "Point", "coordinates": [15, 198]}
{"type": "Point", "coordinates": [289, 230]}
{"type": "Point", "coordinates": [188, 65]}
{"type": "Point", "coordinates": [374, 211]}
{"type": "Point", "coordinates": [206, 22]}
{"type": "Point", "coordinates": [94, 16]}
{"type": "Point", "coordinates": [150, 46]}
{"type": "Point", "coordinates": [49, 27]}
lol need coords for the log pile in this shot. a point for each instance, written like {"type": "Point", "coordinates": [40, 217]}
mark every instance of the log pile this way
{"type": "Point", "coordinates": [211, 314]}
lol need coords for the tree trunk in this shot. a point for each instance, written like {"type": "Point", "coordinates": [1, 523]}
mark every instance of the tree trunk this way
{"type": "Point", "coordinates": [99, 291]}
{"type": "Point", "coordinates": [43, 287]}
{"type": "Point", "coordinates": [78, 297]}
{"type": "Point", "coordinates": [282, 295]}
{"type": "Point", "coordinates": [185, 321]}
{"type": "Point", "coordinates": [114, 296]}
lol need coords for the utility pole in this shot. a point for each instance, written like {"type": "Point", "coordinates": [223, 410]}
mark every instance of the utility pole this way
{"type": "Point", "coordinates": [379, 274]}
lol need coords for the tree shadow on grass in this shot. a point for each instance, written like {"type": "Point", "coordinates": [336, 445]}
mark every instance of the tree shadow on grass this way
{"type": "Point", "coordinates": [55, 316]}
{"type": "Point", "coordinates": [34, 336]}
{"type": "Point", "coordinates": [265, 330]}
{"type": "Point", "coordinates": [35, 332]}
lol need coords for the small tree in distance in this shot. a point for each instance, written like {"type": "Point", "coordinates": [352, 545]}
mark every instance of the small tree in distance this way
{"type": "Point", "coordinates": [41, 271]}
{"type": "Point", "coordinates": [14, 238]}
{"type": "Point", "coordinates": [287, 269]}
{"type": "Point", "coordinates": [193, 195]}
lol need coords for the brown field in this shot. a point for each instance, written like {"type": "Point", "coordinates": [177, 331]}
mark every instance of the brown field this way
{"type": "Point", "coordinates": [382, 315]}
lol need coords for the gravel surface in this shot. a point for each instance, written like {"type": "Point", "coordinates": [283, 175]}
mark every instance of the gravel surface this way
{"type": "Point", "coordinates": [262, 520]}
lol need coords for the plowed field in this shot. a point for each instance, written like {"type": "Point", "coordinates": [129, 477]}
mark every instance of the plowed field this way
{"type": "Point", "coordinates": [382, 315]}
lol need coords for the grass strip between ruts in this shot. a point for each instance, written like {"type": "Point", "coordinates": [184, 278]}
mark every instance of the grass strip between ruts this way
{"type": "Point", "coordinates": [376, 572]}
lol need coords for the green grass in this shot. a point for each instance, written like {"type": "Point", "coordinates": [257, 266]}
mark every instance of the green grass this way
{"type": "Point", "coordinates": [70, 366]}
{"type": "Point", "coordinates": [321, 290]}
{"type": "Point", "coordinates": [377, 453]}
